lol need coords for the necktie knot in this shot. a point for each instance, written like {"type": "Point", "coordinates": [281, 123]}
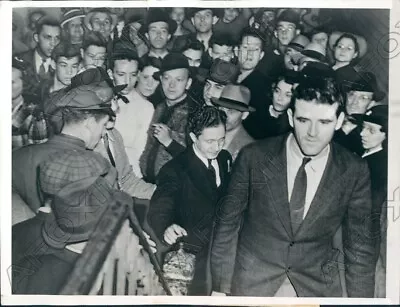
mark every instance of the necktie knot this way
{"type": "Point", "coordinates": [305, 161]}
{"type": "Point", "coordinates": [209, 163]}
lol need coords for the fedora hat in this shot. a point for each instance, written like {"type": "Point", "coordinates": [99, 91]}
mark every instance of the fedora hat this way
{"type": "Point", "coordinates": [299, 42]}
{"type": "Point", "coordinates": [71, 15]}
{"type": "Point", "coordinates": [159, 15]}
{"type": "Point", "coordinates": [89, 15]}
{"type": "Point", "coordinates": [289, 15]}
{"type": "Point", "coordinates": [366, 82]}
{"type": "Point", "coordinates": [221, 72]}
{"type": "Point", "coordinates": [315, 51]}
{"type": "Point", "coordinates": [361, 41]}
{"type": "Point", "coordinates": [235, 97]}
{"type": "Point", "coordinates": [172, 61]}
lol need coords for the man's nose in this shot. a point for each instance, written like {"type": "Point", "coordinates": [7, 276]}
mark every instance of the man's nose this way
{"type": "Point", "coordinates": [313, 129]}
{"type": "Point", "coordinates": [172, 84]}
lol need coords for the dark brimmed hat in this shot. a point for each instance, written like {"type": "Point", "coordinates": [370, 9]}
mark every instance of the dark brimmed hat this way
{"type": "Point", "coordinates": [221, 72]}
{"type": "Point", "coordinates": [366, 82]}
{"type": "Point", "coordinates": [377, 115]}
{"type": "Point", "coordinates": [216, 12]}
{"type": "Point", "coordinates": [72, 14]}
{"type": "Point", "coordinates": [289, 15]}
{"type": "Point", "coordinates": [80, 184]}
{"type": "Point", "coordinates": [89, 15]}
{"type": "Point", "coordinates": [172, 61]}
{"type": "Point", "coordinates": [235, 97]}
{"type": "Point", "coordinates": [159, 15]}
{"type": "Point", "coordinates": [315, 51]}
{"type": "Point", "coordinates": [299, 42]}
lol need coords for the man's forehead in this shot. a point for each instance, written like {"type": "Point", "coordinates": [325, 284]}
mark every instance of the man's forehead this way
{"type": "Point", "coordinates": [49, 29]}
{"type": "Point", "coordinates": [192, 53]}
{"type": "Point", "coordinates": [314, 108]}
{"type": "Point", "coordinates": [96, 49]}
{"type": "Point", "coordinates": [101, 16]}
{"type": "Point", "coordinates": [179, 72]}
{"type": "Point", "coordinates": [362, 93]}
{"type": "Point", "coordinates": [204, 12]}
{"type": "Point", "coordinates": [76, 21]}
{"type": "Point", "coordinates": [126, 64]}
{"type": "Point", "coordinates": [63, 59]}
{"type": "Point", "coordinates": [286, 24]}
{"type": "Point", "coordinates": [158, 25]}
{"type": "Point", "coordinates": [225, 47]}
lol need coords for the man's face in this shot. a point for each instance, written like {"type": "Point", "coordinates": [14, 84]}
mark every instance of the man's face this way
{"type": "Point", "coordinates": [95, 130]}
{"type": "Point", "coordinates": [372, 136]}
{"type": "Point", "coordinates": [288, 58]}
{"type": "Point", "coordinates": [47, 39]}
{"type": "Point", "coordinates": [285, 32]}
{"type": "Point", "coordinates": [178, 14]}
{"type": "Point", "coordinates": [357, 102]}
{"type": "Point", "coordinates": [281, 96]}
{"type": "Point", "coordinates": [17, 83]}
{"type": "Point", "coordinates": [101, 22]}
{"type": "Point", "coordinates": [210, 142]}
{"type": "Point", "coordinates": [125, 72]}
{"type": "Point", "coordinates": [320, 38]}
{"type": "Point", "coordinates": [75, 30]}
{"type": "Point", "coordinates": [66, 69]}
{"type": "Point", "coordinates": [193, 56]}
{"type": "Point", "coordinates": [158, 34]}
{"type": "Point", "coordinates": [250, 52]}
{"type": "Point", "coordinates": [230, 14]}
{"type": "Point", "coordinates": [175, 83]}
{"type": "Point", "coordinates": [268, 17]}
{"type": "Point", "coordinates": [203, 21]}
{"type": "Point", "coordinates": [233, 118]}
{"type": "Point", "coordinates": [221, 52]}
{"type": "Point", "coordinates": [314, 125]}
{"type": "Point", "coordinates": [146, 84]}
{"type": "Point", "coordinates": [93, 56]}
{"type": "Point", "coordinates": [212, 89]}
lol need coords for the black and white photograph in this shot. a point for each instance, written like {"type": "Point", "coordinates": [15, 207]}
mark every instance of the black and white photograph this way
{"type": "Point", "coordinates": [203, 150]}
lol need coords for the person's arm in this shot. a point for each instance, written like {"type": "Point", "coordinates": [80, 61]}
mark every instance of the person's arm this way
{"type": "Point", "coordinates": [228, 221]}
{"type": "Point", "coordinates": [163, 203]}
{"type": "Point", "coordinates": [358, 241]}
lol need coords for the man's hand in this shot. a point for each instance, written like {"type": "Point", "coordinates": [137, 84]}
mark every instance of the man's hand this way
{"type": "Point", "coordinates": [173, 233]}
{"type": "Point", "coordinates": [215, 293]}
{"type": "Point", "coordinates": [152, 244]}
{"type": "Point", "coordinates": [162, 133]}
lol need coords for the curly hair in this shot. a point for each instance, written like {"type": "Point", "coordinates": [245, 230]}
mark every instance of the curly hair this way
{"type": "Point", "coordinates": [205, 117]}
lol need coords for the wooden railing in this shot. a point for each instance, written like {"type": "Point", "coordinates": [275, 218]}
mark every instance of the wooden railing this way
{"type": "Point", "coordinates": [113, 262]}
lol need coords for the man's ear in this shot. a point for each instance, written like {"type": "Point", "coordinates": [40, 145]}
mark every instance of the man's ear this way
{"type": "Point", "coordinates": [290, 116]}
{"type": "Point", "coordinates": [340, 120]}
{"type": "Point", "coordinates": [36, 38]}
{"type": "Point", "coordinates": [189, 83]}
{"type": "Point", "coordinates": [276, 34]}
{"type": "Point", "coordinates": [110, 74]}
{"type": "Point", "coordinates": [192, 20]}
{"type": "Point", "coordinates": [355, 55]}
{"type": "Point", "coordinates": [215, 20]}
{"type": "Point", "coordinates": [262, 55]}
{"type": "Point", "coordinates": [298, 31]}
{"type": "Point", "coordinates": [244, 115]}
{"type": "Point", "coordinates": [193, 137]}
{"type": "Point", "coordinates": [81, 52]}
{"type": "Point", "coordinates": [209, 52]}
{"type": "Point", "coordinates": [169, 36]}
{"type": "Point", "coordinates": [147, 36]}
{"type": "Point", "coordinates": [236, 51]}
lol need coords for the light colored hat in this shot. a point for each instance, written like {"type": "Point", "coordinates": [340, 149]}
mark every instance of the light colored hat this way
{"type": "Point", "coordinates": [299, 42]}
{"type": "Point", "coordinates": [362, 43]}
{"type": "Point", "coordinates": [234, 97]}
{"type": "Point", "coordinates": [315, 51]}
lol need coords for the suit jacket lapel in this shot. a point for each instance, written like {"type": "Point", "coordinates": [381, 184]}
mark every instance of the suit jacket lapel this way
{"type": "Point", "coordinates": [329, 185]}
{"type": "Point", "coordinates": [276, 173]}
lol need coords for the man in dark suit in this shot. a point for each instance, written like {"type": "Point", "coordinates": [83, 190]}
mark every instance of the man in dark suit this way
{"type": "Point", "coordinates": [188, 189]}
{"type": "Point", "coordinates": [41, 67]}
{"type": "Point", "coordinates": [249, 55]}
{"type": "Point", "coordinates": [286, 199]}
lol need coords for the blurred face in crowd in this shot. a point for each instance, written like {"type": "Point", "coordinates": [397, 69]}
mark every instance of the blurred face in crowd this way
{"type": "Point", "coordinates": [357, 102]}
{"type": "Point", "coordinates": [230, 14]}
{"type": "Point", "coordinates": [47, 39]}
{"type": "Point", "coordinates": [320, 38]}
{"type": "Point", "coordinates": [212, 89]}
{"type": "Point", "coordinates": [133, 33]}
{"type": "Point", "coordinates": [285, 32]}
{"type": "Point", "coordinates": [268, 17]}
{"type": "Point", "coordinates": [119, 11]}
{"type": "Point", "coordinates": [93, 56]}
{"type": "Point", "coordinates": [17, 83]}
{"type": "Point", "coordinates": [146, 84]}
{"type": "Point", "coordinates": [210, 142]}
{"type": "Point", "coordinates": [193, 56]}
{"type": "Point", "coordinates": [125, 72]}
{"type": "Point", "coordinates": [178, 14]}
{"type": "Point", "coordinates": [314, 125]}
{"type": "Point", "coordinates": [75, 30]}
{"type": "Point", "coordinates": [250, 52]}
{"type": "Point", "coordinates": [66, 69]}
{"type": "Point", "coordinates": [234, 118]}
{"type": "Point", "coordinates": [101, 22]}
{"type": "Point", "coordinates": [345, 50]}
{"type": "Point", "coordinates": [95, 130]}
{"type": "Point", "coordinates": [221, 52]}
{"type": "Point", "coordinates": [288, 58]}
{"type": "Point", "coordinates": [372, 136]}
{"type": "Point", "coordinates": [158, 34]}
{"type": "Point", "coordinates": [203, 21]}
{"type": "Point", "coordinates": [175, 83]}
{"type": "Point", "coordinates": [281, 96]}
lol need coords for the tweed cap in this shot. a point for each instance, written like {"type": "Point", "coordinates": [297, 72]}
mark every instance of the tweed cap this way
{"type": "Point", "coordinates": [72, 14]}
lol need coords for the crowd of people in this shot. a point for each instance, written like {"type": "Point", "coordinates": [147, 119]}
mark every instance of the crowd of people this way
{"type": "Point", "coordinates": [259, 146]}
